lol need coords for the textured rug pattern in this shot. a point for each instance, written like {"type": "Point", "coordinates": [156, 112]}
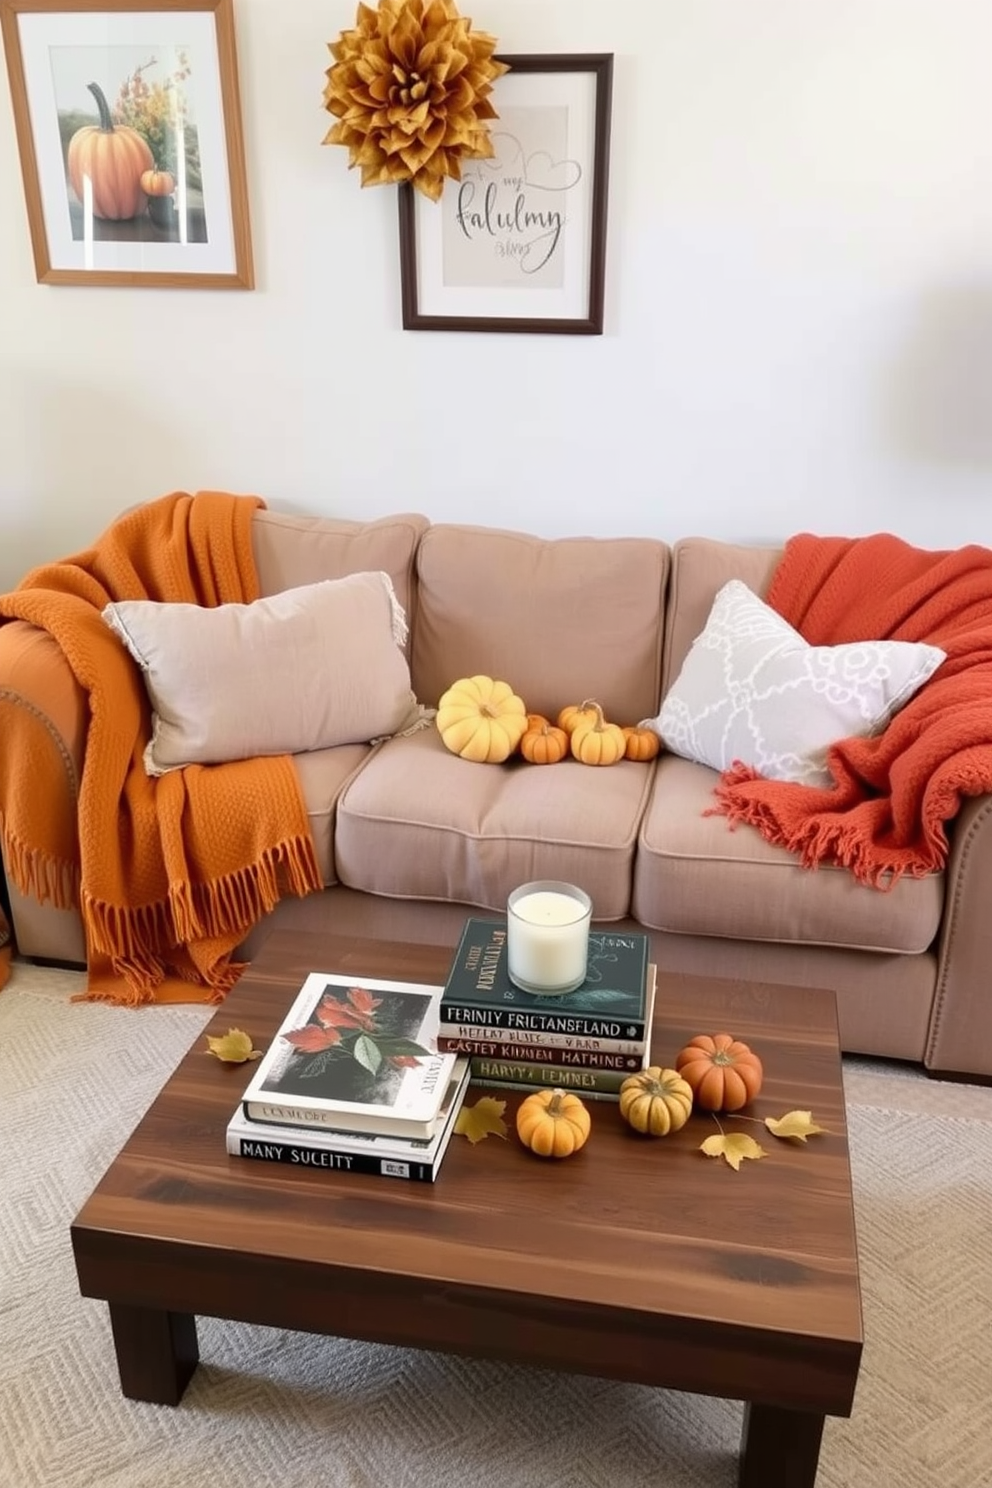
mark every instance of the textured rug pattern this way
{"type": "Point", "coordinates": [306, 1412]}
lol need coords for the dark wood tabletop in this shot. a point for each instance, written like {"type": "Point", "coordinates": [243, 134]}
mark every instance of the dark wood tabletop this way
{"type": "Point", "coordinates": [636, 1259]}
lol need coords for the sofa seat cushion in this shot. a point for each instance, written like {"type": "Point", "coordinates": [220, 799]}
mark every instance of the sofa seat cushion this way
{"type": "Point", "coordinates": [323, 775]}
{"type": "Point", "coordinates": [419, 822]}
{"type": "Point", "coordinates": [693, 875]}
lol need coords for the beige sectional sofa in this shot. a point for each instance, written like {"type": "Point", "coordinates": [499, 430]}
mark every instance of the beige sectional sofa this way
{"type": "Point", "coordinates": [409, 836]}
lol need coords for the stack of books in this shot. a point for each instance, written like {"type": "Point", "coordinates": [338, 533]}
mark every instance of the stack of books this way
{"type": "Point", "coordinates": [588, 1041]}
{"type": "Point", "coordinates": [354, 1081]}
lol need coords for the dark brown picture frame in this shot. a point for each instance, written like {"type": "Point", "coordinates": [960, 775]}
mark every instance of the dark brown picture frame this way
{"type": "Point", "coordinates": [589, 321]}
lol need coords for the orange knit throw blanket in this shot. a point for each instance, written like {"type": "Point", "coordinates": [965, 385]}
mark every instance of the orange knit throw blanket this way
{"type": "Point", "coordinates": [169, 873]}
{"type": "Point", "coordinates": [885, 815]}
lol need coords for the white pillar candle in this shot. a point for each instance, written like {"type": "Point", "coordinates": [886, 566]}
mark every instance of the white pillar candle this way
{"type": "Point", "coordinates": [547, 943]}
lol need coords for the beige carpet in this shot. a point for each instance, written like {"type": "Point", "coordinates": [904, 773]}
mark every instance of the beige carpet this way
{"type": "Point", "coordinates": [268, 1408]}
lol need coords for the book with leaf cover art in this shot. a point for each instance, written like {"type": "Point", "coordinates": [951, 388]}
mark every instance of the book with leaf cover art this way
{"type": "Point", "coordinates": [610, 1004]}
{"type": "Point", "coordinates": [354, 1054]}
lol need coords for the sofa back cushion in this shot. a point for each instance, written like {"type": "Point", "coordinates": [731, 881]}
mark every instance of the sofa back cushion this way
{"type": "Point", "coordinates": [700, 568]}
{"type": "Point", "coordinates": [292, 550]}
{"type": "Point", "coordinates": [560, 619]}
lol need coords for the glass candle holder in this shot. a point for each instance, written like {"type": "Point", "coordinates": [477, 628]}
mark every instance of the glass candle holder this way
{"type": "Point", "coordinates": [547, 937]}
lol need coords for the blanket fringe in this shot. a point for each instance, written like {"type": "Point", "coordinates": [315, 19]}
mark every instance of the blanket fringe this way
{"type": "Point", "coordinates": [238, 900]}
{"type": "Point", "coordinates": [224, 906]}
{"type": "Point", "coordinates": [817, 838]}
{"type": "Point", "coordinates": [38, 874]}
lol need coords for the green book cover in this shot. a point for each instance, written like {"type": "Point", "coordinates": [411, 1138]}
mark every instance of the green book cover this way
{"type": "Point", "coordinates": [610, 1003]}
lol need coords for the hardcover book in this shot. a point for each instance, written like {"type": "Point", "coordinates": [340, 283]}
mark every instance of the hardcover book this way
{"type": "Point", "coordinates": [516, 1074]}
{"type": "Point", "coordinates": [451, 1033]}
{"type": "Point", "coordinates": [553, 1048]}
{"type": "Point", "coordinates": [417, 1159]}
{"type": "Point", "coordinates": [610, 1004]}
{"type": "Point", "coordinates": [479, 1049]}
{"type": "Point", "coordinates": [355, 1054]}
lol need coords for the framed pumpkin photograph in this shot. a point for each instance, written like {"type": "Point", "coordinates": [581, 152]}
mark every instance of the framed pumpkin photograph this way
{"type": "Point", "coordinates": [128, 123]}
{"type": "Point", "coordinates": [519, 242]}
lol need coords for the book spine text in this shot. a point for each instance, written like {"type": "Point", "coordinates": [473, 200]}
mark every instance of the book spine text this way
{"type": "Point", "coordinates": [522, 1039]}
{"type": "Point", "coordinates": [521, 1021]}
{"type": "Point", "coordinates": [535, 1053]}
{"type": "Point", "coordinates": [515, 1072]}
{"type": "Point", "coordinates": [300, 1156]}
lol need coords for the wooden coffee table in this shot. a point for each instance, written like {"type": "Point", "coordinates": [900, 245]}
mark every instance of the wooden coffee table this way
{"type": "Point", "coordinates": [635, 1260]}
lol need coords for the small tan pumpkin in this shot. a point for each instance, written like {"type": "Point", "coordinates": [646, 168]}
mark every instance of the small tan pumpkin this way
{"type": "Point", "coordinates": [655, 1101]}
{"type": "Point", "coordinates": [158, 183]}
{"type": "Point", "coordinates": [569, 718]}
{"type": "Point", "coordinates": [544, 745]}
{"type": "Point", "coordinates": [642, 743]}
{"type": "Point", "coordinates": [598, 742]}
{"type": "Point", "coordinates": [481, 719]}
{"type": "Point", "coordinates": [723, 1073]}
{"type": "Point", "coordinates": [553, 1123]}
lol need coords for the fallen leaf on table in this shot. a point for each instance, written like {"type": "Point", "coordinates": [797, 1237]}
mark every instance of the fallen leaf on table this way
{"type": "Point", "coordinates": [798, 1124]}
{"type": "Point", "coordinates": [476, 1122]}
{"type": "Point", "coordinates": [233, 1047]}
{"type": "Point", "coordinates": [733, 1146]}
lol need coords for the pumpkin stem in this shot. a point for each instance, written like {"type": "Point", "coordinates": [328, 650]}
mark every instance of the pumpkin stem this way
{"type": "Point", "coordinates": [106, 122]}
{"type": "Point", "coordinates": [722, 1057]}
{"type": "Point", "coordinates": [554, 1104]}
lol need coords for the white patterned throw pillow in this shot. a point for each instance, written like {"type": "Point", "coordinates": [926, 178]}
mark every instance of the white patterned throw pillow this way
{"type": "Point", "coordinates": [752, 689]}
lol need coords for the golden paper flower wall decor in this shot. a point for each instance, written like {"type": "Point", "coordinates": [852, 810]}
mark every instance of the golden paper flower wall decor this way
{"type": "Point", "coordinates": [410, 89]}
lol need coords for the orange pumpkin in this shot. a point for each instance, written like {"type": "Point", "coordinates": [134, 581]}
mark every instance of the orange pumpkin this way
{"type": "Point", "coordinates": [113, 158]}
{"type": "Point", "coordinates": [642, 743]}
{"type": "Point", "coordinates": [553, 1123]}
{"type": "Point", "coordinates": [158, 183]}
{"type": "Point", "coordinates": [569, 718]}
{"type": "Point", "coordinates": [722, 1073]}
{"type": "Point", "coordinates": [544, 745]}
{"type": "Point", "coordinates": [536, 720]}
{"type": "Point", "coordinates": [598, 742]}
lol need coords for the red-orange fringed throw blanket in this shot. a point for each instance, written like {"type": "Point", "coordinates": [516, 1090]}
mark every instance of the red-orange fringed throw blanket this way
{"type": "Point", "coordinates": [893, 794]}
{"type": "Point", "coordinates": [170, 873]}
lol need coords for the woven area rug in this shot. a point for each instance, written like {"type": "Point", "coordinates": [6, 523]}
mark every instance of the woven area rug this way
{"type": "Point", "coordinates": [266, 1407]}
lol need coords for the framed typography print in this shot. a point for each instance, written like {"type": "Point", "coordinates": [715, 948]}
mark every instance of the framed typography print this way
{"type": "Point", "coordinates": [519, 242]}
{"type": "Point", "coordinates": [128, 123]}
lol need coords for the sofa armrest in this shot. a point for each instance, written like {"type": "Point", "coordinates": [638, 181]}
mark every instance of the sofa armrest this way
{"type": "Point", "coordinates": [44, 709]}
{"type": "Point", "coordinates": [960, 1038]}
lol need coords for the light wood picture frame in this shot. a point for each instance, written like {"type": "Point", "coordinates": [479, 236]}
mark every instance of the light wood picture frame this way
{"type": "Point", "coordinates": [128, 123]}
{"type": "Point", "coordinates": [519, 243]}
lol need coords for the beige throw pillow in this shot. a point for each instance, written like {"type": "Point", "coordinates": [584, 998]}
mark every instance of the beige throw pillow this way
{"type": "Point", "coordinates": [305, 669]}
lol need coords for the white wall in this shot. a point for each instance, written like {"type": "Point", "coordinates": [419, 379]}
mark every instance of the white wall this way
{"type": "Point", "coordinates": [799, 304]}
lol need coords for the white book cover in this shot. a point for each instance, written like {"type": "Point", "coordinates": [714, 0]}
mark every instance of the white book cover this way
{"type": "Point", "coordinates": [427, 1150]}
{"type": "Point", "coordinates": [355, 1054]}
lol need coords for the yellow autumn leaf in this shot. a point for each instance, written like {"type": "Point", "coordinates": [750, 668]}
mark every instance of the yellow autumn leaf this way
{"type": "Point", "coordinates": [798, 1124]}
{"type": "Point", "coordinates": [234, 1047]}
{"type": "Point", "coordinates": [476, 1122]}
{"type": "Point", "coordinates": [734, 1146]}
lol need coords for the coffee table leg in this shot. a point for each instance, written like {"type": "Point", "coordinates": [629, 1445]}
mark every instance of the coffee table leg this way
{"type": "Point", "coordinates": [779, 1448]}
{"type": "Point", "coordinates": [156, 1352]}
